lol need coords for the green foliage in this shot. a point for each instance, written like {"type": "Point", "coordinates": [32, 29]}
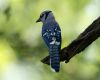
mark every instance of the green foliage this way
{"type": "Point", "coordinates": [19, 30]}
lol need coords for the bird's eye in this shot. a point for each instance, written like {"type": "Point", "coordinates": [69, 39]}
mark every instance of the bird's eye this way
{"type": "Point", "coordinates": [41, 15]}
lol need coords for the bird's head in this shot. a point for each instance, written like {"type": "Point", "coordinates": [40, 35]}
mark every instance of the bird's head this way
{"type": "Point", "coordinates": [45, 16]}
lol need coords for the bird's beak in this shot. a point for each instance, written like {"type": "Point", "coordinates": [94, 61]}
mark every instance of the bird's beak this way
{"type": "Point", "coordinates": [38, 20]}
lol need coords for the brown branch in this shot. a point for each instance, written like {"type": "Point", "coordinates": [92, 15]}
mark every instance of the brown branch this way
{"type": "Point", "coordinates": [89, 35]}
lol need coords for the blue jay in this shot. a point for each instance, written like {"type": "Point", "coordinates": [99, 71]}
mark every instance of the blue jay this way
{"type": "Point", "coordinates": [51, 34]}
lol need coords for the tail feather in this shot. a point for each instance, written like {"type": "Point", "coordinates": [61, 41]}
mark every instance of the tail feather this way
{"type": "Point", "coordinates": [55, 60]}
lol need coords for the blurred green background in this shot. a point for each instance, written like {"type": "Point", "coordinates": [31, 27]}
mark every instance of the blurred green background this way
{"type": "Point", "coordinates": [22, 47]}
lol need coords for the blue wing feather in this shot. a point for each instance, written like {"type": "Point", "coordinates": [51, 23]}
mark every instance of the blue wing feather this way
{"type": "Point", "coordinates": [50, 31]}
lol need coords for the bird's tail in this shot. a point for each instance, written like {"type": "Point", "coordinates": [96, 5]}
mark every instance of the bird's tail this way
{"type": "Point", "coordinates": [54, 59]}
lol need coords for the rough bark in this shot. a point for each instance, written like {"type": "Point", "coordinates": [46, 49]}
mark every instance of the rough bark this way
{"type": "Point", "coordinates": [90, 34]}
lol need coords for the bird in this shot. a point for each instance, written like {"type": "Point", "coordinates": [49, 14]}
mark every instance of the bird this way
{"type": "Point", "coordinates": [51, 34]}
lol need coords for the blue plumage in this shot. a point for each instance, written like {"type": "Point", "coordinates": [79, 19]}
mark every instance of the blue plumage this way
{"type": "Point", "coordinates": [51, 34]}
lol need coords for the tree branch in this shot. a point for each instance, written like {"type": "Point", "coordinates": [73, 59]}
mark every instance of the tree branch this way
{"type": "Point", "coordinates": [89, 35]}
